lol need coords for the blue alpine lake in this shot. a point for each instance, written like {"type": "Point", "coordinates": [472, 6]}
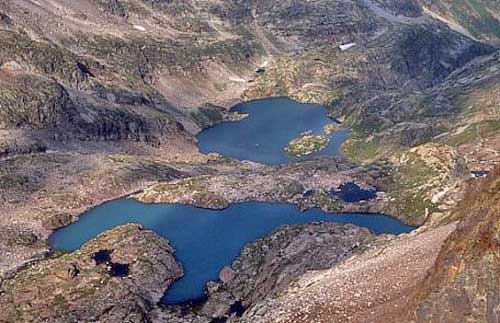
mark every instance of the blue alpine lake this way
{"type": "Point", "coordinates": [205, 240]}
{"type": "Point", "coordinates": [263, 136]}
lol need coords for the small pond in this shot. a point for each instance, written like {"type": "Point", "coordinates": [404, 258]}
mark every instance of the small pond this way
{"type": "Point", "coordinates": [352, 193]}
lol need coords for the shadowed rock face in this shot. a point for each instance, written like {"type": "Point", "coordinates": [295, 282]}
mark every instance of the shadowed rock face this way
{"type": "Point", "coordinates": [5, 21]}
{"type": "Point", "coordinates": [429, 57]}
{"type": "Point", "coordinates": [409, 8]}
{"type": "Point", "coordinates": [76, 287]}
{"type": "Point", "coordinates": [33, 101]}
{"type": "Point", "coordinates": [102, 256]}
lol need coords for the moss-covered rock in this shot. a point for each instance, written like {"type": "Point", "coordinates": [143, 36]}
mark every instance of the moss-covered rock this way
{"type": "Point", "coordinates": [324, 201]}
{"type": "Point", "coordinates": [208, 116]}
{"type": "Point", "coordinates": [422, 181]}
{"type": "Point", "coordinates": [191, 191]}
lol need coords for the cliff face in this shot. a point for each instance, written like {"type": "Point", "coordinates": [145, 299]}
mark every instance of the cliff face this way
{"type": "Point", "coordinates": [464, 283]}
{"type": "Point", "coordinates": [50, 91]}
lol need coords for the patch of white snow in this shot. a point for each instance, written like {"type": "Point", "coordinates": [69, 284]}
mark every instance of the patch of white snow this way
{"type": "Point", "coordinates": [346, 46]}
{"type": "Point", "coordinates": [140, 28]}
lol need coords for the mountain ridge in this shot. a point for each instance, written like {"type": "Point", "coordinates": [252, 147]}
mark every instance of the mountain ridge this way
{"type": "Point", "coordinates": [103, 99]}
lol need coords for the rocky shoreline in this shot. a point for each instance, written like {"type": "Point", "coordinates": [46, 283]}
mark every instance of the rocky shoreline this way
{"type": "Point", "coordinates": [306, 184]}
{"type": "Point", "coordinates": [102, 99]}
{"type": "Point", "coordinates": [266, 267]}
{"type": "Point", "coordinates": [78, 287]}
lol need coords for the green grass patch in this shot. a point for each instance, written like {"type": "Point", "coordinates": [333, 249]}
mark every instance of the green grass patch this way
{"type": "Point", "coordinates": [474, 132]}
{"type": "Point", "coordinates": [306, 145]}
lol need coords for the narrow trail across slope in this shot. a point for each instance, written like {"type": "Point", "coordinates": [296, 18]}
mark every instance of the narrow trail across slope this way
{"type": "Point", "coordinates": [381, 12]}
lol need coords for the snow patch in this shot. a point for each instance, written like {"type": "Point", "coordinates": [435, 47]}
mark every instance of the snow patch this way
{"type": "Point", "coordinates": [140, 28]}
{"type": "Point", "coordinates": [346, 46]}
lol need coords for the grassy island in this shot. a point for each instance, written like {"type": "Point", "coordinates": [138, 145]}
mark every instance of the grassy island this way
{"type": "Point", "coordinates": [306, 145]}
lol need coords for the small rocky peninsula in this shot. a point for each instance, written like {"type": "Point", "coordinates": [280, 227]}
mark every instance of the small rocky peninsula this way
{"type": "Point", "coordinates": [119, 276]}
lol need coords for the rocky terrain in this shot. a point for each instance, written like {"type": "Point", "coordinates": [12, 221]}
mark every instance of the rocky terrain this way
{"type": "Point", "coordinates": [119, 276]}
{"type": "Point", "coordinates": [372, 286]}
{"type": "Point", "coordinates": [413, 186]}
{"type": "Point", "coordinates": [103, 99]}
{"type": "Point", "coordinates": [267, 266]}
{"type": "Point", "coordinates": [443, 273]}
{"type": "Point", "coordinates": [463, 284]}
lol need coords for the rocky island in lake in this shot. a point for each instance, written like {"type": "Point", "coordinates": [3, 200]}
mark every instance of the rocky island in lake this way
{"type": "Point", "coordinates": [306, 145]}
{"type": "Point", "coordinates": [249, 161]}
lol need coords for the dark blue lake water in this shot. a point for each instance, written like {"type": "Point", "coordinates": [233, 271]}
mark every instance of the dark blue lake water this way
{"type": "Point", "coordinates": [351, 193]}
{"type": "Point", "coordinates": [271, 125]}
{"type": "Point", "coordinates": [205, 240]}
